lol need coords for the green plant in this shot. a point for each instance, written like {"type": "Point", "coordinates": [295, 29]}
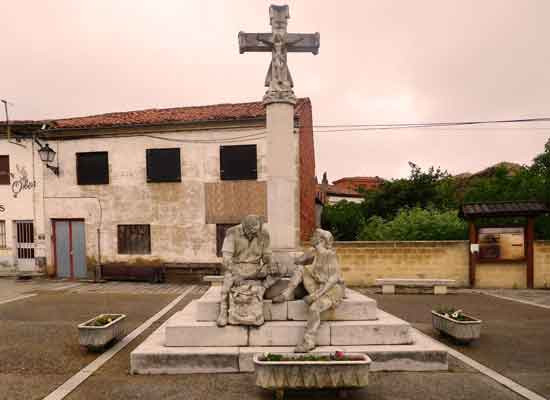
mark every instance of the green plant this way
{"type": "Point", "coordinates": [104, 320]}
{"type": "Point", "coordinates": [416, 224]}
{"type": "Point", "coordinates": [336, 356]}
{"type": "Point", "coordinates": [453, 313]}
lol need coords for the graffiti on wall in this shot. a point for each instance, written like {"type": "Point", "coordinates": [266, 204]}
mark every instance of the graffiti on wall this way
{"type": "Point", "coordinates": [21, 181]}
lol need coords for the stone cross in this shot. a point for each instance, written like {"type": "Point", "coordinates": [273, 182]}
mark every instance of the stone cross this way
{"type": "Point", "coordinates": [279, 42]}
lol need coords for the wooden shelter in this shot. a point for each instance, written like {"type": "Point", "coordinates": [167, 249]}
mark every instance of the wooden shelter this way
{"type": "Point", "coordinates": [511, 243]}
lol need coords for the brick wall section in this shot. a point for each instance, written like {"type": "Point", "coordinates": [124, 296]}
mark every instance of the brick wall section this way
{"type": "Point", "coordinates": [307, 169]}
{"type": "Point", "coordinates": [542, 264]}
{"type": "Point", "coordinates": [364, 262]}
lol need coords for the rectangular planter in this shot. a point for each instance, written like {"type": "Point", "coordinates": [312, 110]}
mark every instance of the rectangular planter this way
{"type": "Point", "coordinates": [281, 375]}
{"type": "Point", "coordinates": [463, 331]}
{"type": "Point", "coordinates": [97, 337]}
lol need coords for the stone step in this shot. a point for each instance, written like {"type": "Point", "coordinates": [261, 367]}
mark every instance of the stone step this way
{"type": "Point", "coordinates": [152, 357]}
{"type": "Point", "coordinates": [183, 330]}
{"type": "Point", "coordinates": [355, 307]}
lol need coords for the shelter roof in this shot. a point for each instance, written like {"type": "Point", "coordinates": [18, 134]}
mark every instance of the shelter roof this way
{"type": "Point", "coordinates": [503, 209]}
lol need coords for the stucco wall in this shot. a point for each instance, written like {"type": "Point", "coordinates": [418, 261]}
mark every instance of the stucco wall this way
{"type": "Point", "coordinates": [364, 262]}
{"type": "Point", "coordinates": [175, 211]}
{"type": "Point", "coordinates": [18, 198]}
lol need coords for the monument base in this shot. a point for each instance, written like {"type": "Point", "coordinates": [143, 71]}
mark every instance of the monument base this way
{"type": "Point", "coordinates": [190, 341]}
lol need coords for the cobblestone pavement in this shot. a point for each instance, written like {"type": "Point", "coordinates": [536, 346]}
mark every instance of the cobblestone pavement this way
{"type": "Point", "coordinates": [541, 297]}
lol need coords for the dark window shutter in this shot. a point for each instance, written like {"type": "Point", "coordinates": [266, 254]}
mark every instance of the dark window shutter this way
{"type": "Point", "coordinates": [163, 165]}
{"type": "Point", "coordinates": [4, 170]}
{"type": "Point", "coordinates": [92, 168]}
{"type": "Point", "coordinates": [238, 162]}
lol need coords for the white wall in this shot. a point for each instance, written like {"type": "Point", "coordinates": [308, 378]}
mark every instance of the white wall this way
{"type": "Point", "coordinates": [175, 211]}
{"type": "Point", "coordinates": [21, 202]}
{"type": "Point", "coordinates": [336, 199]}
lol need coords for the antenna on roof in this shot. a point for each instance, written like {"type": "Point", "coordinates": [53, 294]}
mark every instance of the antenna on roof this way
{"type": "Point", "coordinates": [8, 130]}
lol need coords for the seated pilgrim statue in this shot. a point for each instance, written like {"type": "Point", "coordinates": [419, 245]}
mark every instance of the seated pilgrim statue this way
{"type": "Point", "coordinates": [248, 273]}
{"type": "Point", "coordinates": [320, 274]}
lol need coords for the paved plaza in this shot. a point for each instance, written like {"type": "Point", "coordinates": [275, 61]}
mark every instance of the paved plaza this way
{"type": "Point", "coordinates": [39, 348]}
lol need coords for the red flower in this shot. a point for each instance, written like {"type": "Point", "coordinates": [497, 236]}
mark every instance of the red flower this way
{"type": "Point", "coordinates": [339, 354]}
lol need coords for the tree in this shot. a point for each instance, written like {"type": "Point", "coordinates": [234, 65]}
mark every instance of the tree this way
{"type": "Point", "coordinates": [344, 219]}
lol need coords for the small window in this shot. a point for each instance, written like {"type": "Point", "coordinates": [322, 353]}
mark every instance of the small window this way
{"type": "Point", "coordinates": [3, 244]}
{"type": "Point", "coordinates": [92, 168]}
{"type": "Point", "coordinates": [163, 165]}
{"type": "Point", "coordinates": [501, 244]}
{"type": "Point", "coordinates": [238, 162]}
{"type": "Point", "coordinates": [4, 170]}
{"type": "Point", "coordinates": [134, 239]}
{"type": "Point", "coordinates": [221, 229]}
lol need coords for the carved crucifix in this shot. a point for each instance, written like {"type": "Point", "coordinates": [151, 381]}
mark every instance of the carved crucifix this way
{"type": "Point", "coordinates": [279, 43]}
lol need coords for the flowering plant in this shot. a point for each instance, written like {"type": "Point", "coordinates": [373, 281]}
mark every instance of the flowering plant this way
{"type": "Point", "coordinates": [453, 313]}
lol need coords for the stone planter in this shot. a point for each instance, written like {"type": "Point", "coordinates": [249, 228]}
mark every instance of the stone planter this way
{"type": "Point", "coordinates": [295, 374]}
{"type": "Point", "coordinates": [461, 331]}
{"type": "Point", "coordinates": [97, 337]}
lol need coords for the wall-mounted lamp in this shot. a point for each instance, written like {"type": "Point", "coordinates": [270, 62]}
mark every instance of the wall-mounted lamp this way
{"type": "Point", "coordinates": [47, 155]}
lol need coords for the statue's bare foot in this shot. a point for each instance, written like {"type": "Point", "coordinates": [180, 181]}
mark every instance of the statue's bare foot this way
{"type": "Point", "coordinates": [304, 347]}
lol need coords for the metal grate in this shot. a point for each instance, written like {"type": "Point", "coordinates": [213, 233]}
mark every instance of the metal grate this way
{"type": "Point", "coordinates": [25, 240]}
{"type": "Point", "coordinates": [134, 239]}
{"type": "Point", "coordinates": [3, 243]}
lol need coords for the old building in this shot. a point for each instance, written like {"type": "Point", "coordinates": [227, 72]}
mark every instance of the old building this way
{"type": "Point", "coordinates": [151, 187]}
{"type": "Point", "coordinates": [20, 198]}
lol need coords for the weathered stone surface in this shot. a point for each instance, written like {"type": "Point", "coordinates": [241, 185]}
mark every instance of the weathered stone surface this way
{"type": "Point", "coordinates": [285, 333]}
{"type": "Point", "coordinates": [386, 330]}
{"type": "Point", "coordinates": [416, 282]}
{"type": "Point", "coordinates": [181, 330]}
{"type": "Point", "coordinates": [152, 357]}
{"type": "Point", "coordinates": [208, 306]}
{"type": "Point", "coordinates": [275, 311]}
{"type": "Point", "coordinates": [355, 307]}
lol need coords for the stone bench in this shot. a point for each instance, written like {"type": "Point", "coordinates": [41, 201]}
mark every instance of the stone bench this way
{"type": "Point", "coordinates": [439, 285]}
{"type": "Point", "coordinates": [214, 280]}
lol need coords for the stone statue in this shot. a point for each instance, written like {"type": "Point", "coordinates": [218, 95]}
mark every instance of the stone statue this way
{"type": "Point", "coordinates": [320, 274]}
{"type": "Point", "coordinates": [248, 273]}
{"type": "Point", "coordinates": [279, 42]}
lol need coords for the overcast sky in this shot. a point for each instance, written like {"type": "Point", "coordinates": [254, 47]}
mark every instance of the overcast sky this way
{"type": "Point", "coordinates": [379, 62]}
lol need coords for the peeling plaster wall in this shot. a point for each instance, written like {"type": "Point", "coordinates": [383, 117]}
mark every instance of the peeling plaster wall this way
{"type": "Point", "coordinates": [175, 211]}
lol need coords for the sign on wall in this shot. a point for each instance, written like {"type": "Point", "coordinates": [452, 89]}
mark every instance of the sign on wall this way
{"type": "Point", "coordinates": [502, 243]}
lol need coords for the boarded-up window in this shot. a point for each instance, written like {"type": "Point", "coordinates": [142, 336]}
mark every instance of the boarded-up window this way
{"type": "Point", "coordinates": [3, 234]}
{"type": "Point", "coordinates": [163, 165]}
{"type": "Point", "coordinates": [221, 229]}
{"type": "Point", "coordinates": [4, 170]}
{"type": "Point", "coordinates": [92, 168]}
{"type": "Point", "coordinates": [238, 162]}
{"type": "Point", "coordinates": [134, 239]}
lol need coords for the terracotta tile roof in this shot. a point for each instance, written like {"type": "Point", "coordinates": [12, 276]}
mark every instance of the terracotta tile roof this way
{"type": "Point", "coordinates": [154, 116]}
{"type": "Point", "coordinates": [503, 209]}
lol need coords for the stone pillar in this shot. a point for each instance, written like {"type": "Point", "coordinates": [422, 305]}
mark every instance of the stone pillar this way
{"type": "Point", "coordinates": [282, 182]}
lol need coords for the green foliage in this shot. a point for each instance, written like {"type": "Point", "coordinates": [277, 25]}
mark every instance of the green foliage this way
{"type": "Point", "coordinates": [344, 219]}
{"type": "Point", "coordinates": [424, 206]}
{"type": "Point", "coordinates": [416, 224]}
{"type": "Point", "coordinates": [432, 188]}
